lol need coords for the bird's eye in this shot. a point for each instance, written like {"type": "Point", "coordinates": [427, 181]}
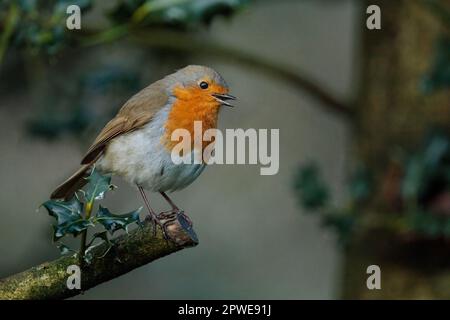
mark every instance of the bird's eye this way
{"type": "Point", "coordinates": [204, 85]}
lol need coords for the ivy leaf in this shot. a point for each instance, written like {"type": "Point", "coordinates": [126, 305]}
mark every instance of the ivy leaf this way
{"type": "Point", "coordinates": [68, 217]}
{"type": "Point", "coordinates": [113, 222]}
{"type": "Point", "coordinates": [98, 185]}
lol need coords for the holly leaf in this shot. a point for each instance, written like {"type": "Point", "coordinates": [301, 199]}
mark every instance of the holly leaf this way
{"type": "Point", "coordinates": [98, 185]}
{"type": "Point", "coordinates": [113, 222]}
{"type": "Point", "coordinates": [68, 217]}
{"type": "Point", "coordinates": [99, 235]}
{"type": "Point", "coordinates": [74, 227]}
{"type": "Point", "coordinates": [64, 211]}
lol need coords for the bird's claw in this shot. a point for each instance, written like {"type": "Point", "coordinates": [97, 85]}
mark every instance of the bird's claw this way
{"type": "Point", "coordinates": [174, 213]}
{"type": "Point", "coordinates": [164, 218]}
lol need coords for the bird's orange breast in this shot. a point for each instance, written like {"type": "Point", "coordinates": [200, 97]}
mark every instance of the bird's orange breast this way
{"type": "Point", "coordinates": [191, 105]}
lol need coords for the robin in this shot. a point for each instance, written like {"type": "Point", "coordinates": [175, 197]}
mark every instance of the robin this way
{"type": "Point", "coordinates": [136, 144]}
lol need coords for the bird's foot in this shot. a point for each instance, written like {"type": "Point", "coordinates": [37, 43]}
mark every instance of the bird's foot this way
{"type": "Point", "coordinates": [162, 222]}
{"type": "Point", "coordinates": [165, 219]}
{"type": "Point", "coordinates": [176, 212]}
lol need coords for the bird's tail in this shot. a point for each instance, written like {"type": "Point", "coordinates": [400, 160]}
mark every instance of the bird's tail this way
{"type": "Point", "coordinates": [68, 188]}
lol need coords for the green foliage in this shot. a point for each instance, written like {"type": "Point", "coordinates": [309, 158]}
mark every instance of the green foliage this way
{"type": "Point", "coordinates": [40, 26]}
{"type": "Point", "coordinates": [51, 123]}
{"type": "Point", "coordinates": [312, 191]}
{"type": "Point", "coordinates": [180, 13]}
{"type": "Point", "coordinates": [361, 186]}
{"type": "Point", "coordinates": [110, 82]}
{"type": "Point", "coordinates": [313, 195]}
{"type": "Point", "coordinates": [97, 186]}
{"type": "Point", "coordinates": [423, 204]}
{"type": "Point", "coordinates": [109, 78]}
{"type": "Point", "coordinates": [113, 222]}
{"type": "Point", "coordinates": [427, 169]}
{"type": "Point", "coordinates": [438, 77]}
{"type": "Point", "coordinates": [73, 217]}
{"type": "Point", "coordinates": [412, 182]}
{"type": "Point", "coordinates": [103, 236]}
{"type": "Point", "coordinates": [342, 224]}
{"type": "Point", "coordinates": [428, 225]}
{"type": "Point", "coordinates": [68, 217]}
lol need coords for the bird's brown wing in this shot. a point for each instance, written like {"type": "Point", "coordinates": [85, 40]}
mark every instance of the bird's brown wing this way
{"type": "Point", "coordinates": [135, 113]}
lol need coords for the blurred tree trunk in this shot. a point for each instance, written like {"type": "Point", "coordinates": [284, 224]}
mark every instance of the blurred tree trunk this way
{"type": "Point", "coordinates": [394, 114]}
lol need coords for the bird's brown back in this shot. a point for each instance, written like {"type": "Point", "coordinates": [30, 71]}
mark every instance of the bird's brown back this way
{"type": "Point", "coordinates": [135, 113]}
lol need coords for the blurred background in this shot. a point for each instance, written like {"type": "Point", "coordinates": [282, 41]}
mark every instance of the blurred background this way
{"type": "Point", "coordinates": [364, 140]}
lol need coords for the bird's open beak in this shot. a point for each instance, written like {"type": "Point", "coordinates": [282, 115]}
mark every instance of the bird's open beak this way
{"type": "Point", "coordinates": [223, 98]}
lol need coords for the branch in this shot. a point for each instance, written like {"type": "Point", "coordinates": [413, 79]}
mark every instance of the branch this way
{"type": "Point", "coordinates": [197, 46]}
{"type": "Point", "coordinates": [188, 43]}
{"type": "Point", "coordinates": [130, 251]}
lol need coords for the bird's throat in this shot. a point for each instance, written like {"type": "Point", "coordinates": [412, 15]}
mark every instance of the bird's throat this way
{"type": "Point", "coordinates": [190, 106]}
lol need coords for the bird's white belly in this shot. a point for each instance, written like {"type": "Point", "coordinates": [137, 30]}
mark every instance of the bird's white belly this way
{"type": "Point", "coordinates": [141, 159]}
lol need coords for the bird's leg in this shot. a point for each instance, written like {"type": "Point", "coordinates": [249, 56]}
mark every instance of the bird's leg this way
{"type": "Point", "coordinates": [152, 213]}
{"type": "Point", "coordinates": [175, 208]}
{"type": "Point", "coordinates": [172, 204]}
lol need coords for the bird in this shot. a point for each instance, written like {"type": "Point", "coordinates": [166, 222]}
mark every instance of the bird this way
{"type": "Point", "coordinates": [136, 144]}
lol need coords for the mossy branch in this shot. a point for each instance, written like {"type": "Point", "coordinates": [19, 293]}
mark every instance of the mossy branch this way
{"type": "Point", "coordinates": [129, 251]}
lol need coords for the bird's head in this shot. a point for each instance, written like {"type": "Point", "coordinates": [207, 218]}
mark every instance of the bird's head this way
{"type": "Point", "coordinates": [196, 93]}
{"type": "Point", "coordinates": [201, 86]}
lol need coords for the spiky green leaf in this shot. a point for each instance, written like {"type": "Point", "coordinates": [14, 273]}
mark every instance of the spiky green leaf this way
{"type": "Point", "coordinates": [113, 222]}
{"type": "Point", "coordinates": [68, 217]}
{"type": "Point", "coordinates": [97, 186]}
{"type": "Point", "coordinates": [64, 211]}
